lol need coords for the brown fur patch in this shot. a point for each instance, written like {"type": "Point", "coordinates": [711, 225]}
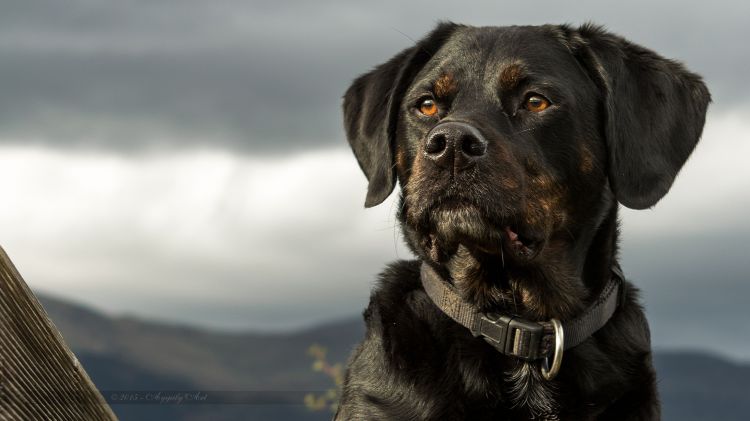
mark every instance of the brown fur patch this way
{"type": "Point", "coordinates": [472, 283]}
{"type": "Point", "coordinates": [416, 171]}
{"type": "Point", "coordinates": [412, 190]}
{"type": "Point", "coordinates": [563, 301]}
{"type": "Point", "coordinates": [445, 86]}
{"type": "Point", "coordinates": [545, 207]}
{"type": "Point", "coordinates": [509, 182]}
{"type": "Point", "coordinates": [587, 161]}
{"type": "Point", "coordinates": [511, 76]}
{"type": "Point", "coordinates": [401, 162]}
{"type": "Point", "coordinates": [508, 173]}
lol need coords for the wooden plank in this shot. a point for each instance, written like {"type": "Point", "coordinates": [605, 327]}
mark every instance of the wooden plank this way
{"type": "Point", "coordinates": [40, 378]}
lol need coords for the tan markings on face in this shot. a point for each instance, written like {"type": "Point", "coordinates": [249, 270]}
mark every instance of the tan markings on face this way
{"type": "Point", "coordinates": [415, 176]}
{"type": "Point", "coordinates": [416, 167]}
{"type": "Point", "coordinates": [445, 86]}
{"type": "Point", "coordinates": [413, 190]}
{"type": "Point", "coordinates": [587, 161]}
{"type": "Point", "coordinates": [544, 205]}
{"type": "Point", "coordinates": [509, 182]}
{"type": "Point", "coordinates": [542, 182]}
{"type": "Point", "coordinates": [507, 173]}
{"type": "Point", "coordinates": [401, 161]}
{"type": "Point", "coordinates": [511, 76]}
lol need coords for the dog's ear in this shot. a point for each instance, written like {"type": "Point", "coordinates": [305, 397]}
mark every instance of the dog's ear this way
{"type": "Point", "coordinates": [655, 110]}
{"type": "Point", "coordinates": [371, 106]}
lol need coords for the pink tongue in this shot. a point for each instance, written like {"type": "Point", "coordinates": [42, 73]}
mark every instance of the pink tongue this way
{"type": "Point", "coordinates": [512, 236]}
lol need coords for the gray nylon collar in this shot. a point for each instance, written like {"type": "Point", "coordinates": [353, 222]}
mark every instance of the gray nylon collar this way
{"type": "Point", "coordinates": [515, 336]}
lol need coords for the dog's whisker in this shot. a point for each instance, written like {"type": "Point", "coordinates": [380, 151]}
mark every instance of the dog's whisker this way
{"type": "Point", "coordinates": [394, 228]}
{"type": "Point", "coordinates": [422, 47]}
{"type": "Point", "coordinates": [525, 130]}
{"type": "Point", "coordinates": [572, 237]}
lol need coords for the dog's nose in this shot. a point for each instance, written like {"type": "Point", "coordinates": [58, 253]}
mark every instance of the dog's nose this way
{"type": "Point", "coordinates": [455, 145]}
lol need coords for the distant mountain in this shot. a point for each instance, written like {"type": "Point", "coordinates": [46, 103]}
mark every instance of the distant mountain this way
{"type": "Point", "coordinates": [699, 386]}
{"type": "Point", "coordinates": [267, 375]}
{"type": "Point", "coordinates": [124, 354]}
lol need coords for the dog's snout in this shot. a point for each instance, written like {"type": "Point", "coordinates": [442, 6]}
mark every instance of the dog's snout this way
{"type": "Point", "coordinates": [455, 145]}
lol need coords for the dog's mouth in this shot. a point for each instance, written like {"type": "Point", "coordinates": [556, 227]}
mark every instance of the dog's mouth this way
{"type": "Point", "coordinates": [519, 245]}
{"type": "Point", "coordinates": [455, 222]}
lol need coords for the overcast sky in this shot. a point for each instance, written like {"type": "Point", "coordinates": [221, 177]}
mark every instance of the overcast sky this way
{"type": "Point", "coordinates": [185, 160]}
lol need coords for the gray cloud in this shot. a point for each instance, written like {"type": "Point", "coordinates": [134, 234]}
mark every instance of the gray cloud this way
{"type": "Point", "coordinates": [695, 288]}
{"type": "Point", "coordinates": [262, 77]}
{"type": "Point", "coordinates": [236, 241]}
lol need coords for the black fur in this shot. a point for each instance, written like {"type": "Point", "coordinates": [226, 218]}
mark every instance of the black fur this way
{"type": "Point", "coordinates": [529, 228]}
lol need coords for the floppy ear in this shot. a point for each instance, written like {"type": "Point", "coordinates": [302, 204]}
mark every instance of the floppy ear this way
{"type": "Point", "coordinates": [371, 106]}
{"type": "Point", "coordinates": [655, 111]}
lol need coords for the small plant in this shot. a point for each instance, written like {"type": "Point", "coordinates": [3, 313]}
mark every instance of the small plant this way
{"type": "Point", "coordinates": [330, 398]}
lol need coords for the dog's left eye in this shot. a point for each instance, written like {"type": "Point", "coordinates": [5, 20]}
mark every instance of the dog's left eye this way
{"type": "Point", "coordinates": [428, 107]}
{"type": "Point", "coordinates": [536, 103]}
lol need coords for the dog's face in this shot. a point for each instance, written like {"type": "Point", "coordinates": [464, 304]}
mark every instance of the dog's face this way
{"type": "Point", "coordinates": [513, 141]}
{"type": "Point", "coordinates": [495, 130]}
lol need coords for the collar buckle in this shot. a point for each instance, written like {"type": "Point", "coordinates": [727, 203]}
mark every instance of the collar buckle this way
{"type": "Point", "coordinates": [511, 336]}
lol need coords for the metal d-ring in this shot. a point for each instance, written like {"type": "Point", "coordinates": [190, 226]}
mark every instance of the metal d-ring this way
{"type": "Point", "coordinates": [548, 372]}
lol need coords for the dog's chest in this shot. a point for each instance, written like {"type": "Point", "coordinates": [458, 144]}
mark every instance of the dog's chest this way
{"type": "Point", "coordinates": [516, 387]}
{"type": "Point", "coordinates": [489, 383]}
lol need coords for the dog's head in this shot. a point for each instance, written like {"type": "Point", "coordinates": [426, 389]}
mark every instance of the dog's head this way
{"type": "Point", "coordinates": [512, 140]}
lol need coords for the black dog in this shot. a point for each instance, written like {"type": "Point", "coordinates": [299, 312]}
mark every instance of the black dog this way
{"type": "Point", "coordinates": [513, 147]}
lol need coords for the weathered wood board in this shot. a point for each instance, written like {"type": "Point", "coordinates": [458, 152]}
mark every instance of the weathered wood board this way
{"type": "Point", "coordinates": [40, 378]}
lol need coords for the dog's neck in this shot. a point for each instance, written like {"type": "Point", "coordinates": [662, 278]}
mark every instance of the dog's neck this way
{"type": "Point", "coordinates": [556, 285]}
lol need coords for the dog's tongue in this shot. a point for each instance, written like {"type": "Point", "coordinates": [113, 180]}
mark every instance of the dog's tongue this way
{"type": "Point", "coordinates": [516, 244]}
{"type": "Point", "coordinates": [512, 236]}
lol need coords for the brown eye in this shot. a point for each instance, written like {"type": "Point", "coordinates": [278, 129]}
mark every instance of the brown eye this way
{"type": "Point", "coordinates": [536, 103]}
{"type": "Point", "coordinates": [428, 107]}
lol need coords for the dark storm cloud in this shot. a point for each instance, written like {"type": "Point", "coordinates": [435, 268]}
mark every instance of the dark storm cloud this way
{"type": "Point", "coordinates": [268, 76]}
{"type": "Point", "coordinates": [695, 289]}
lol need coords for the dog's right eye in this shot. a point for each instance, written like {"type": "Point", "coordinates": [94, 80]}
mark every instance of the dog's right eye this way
{"type": "Point", "coordinates": [428, 107]}
{"type": "Point", "coordinates": [536, 103]}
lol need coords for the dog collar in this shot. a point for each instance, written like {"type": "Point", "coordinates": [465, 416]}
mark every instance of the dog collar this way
{"type": "Point", "coordinates": [520, 338]}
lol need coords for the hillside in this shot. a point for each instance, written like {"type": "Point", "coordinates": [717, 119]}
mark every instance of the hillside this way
{"type": "Point", "coordinates": [266, 375]}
